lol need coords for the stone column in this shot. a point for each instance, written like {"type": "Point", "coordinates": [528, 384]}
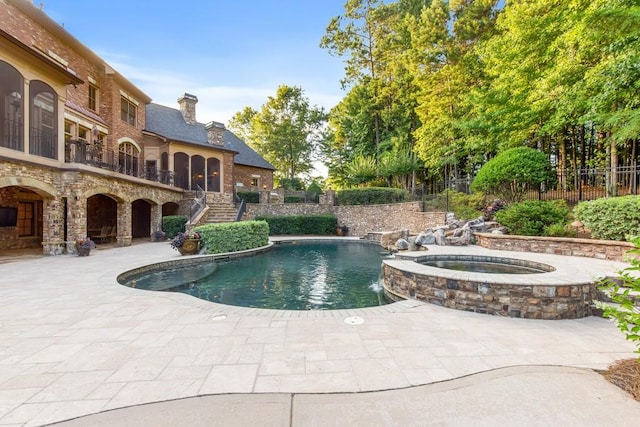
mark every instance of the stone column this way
{"type": "Point", "coordinates": [264, 196]}
{"type": "Point", "coordinates": [124, 224]}
{"type": "Point", "coordinates": [76, 220]}
{"type": "Point", "coordinates": [53, 226]}
{"type": "Point", "coordinates": [156, 220]}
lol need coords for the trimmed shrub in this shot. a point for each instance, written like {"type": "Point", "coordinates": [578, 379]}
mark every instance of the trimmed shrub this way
{"type": "Point", "coordinates": [371, 196]}
{"type": "Point", "coordinates": [301, 224]}
{"type": "Point", "coordinates": [512, 173]}
{"type": "Point", "coordinates": [294, 199]}
{"type": "Point", "coordinates": [530, 218]}
{"type": "Point", "coordinates": [249, 196]}
{"type": "Point", "coordinates": [173, 224]}
{"type": "Point", "coordinates": [233, 236]}
{"type": "Point", "coordinates": [616, 218]}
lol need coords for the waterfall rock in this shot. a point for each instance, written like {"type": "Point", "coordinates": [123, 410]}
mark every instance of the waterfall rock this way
{"type": "Point", "coordinates": [402, 244]}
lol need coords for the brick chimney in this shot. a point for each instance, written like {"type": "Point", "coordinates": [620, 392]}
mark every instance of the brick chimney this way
{"type": "Point", "coordinates": [188, 107]}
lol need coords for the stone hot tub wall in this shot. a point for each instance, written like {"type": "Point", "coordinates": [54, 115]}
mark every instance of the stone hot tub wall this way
{"type": "Point", "coordinates": [601, 249]}
{"type": "Point", "coordinates": [513, 300]}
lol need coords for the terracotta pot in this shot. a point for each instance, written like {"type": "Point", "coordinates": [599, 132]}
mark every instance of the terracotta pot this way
{"type": "Point", "coordinates": [189, 247]}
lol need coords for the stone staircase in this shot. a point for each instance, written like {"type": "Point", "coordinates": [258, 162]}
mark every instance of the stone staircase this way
{"type": "Point", "coordinates": [218, 213]}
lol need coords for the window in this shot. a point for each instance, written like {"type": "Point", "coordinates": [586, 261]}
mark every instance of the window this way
{"type": "Point", "coordinates": [254, 182]}
{"type": "Point", "coordinates": [127, 111]}
{"type": "Point", "coordinates": [43, 120]}
{"type": "Point", "coordinates": [93, 97]}
{"type": "Point", "coordinates": [128, 159]}
{"type": "Point", "coordinates": [26, 219]}
{"type": "Point", "coordinates": [11, 108]}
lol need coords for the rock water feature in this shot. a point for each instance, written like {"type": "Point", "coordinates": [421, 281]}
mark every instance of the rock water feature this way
{"type": "Point", "coordinates": [454, 233]}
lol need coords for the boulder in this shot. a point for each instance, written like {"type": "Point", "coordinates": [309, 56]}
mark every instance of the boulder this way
{"type": "Point", "coordinates": [425, 238]}
{"type": "Point", "coordinates": [402, 244]}
{"type": "Point", "coordinates": [388, 238]}
{"type": "Point", "coordinates": [439, 236]}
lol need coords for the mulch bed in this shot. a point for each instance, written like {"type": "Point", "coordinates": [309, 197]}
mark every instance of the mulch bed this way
{"type": "Point", "coordinates": [626, 375]}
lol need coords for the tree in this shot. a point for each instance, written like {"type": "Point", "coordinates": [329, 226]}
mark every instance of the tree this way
{"type": "Point", "coordinates": [512, 173]}
{"type": "Point", "coordinates": [286, 131]}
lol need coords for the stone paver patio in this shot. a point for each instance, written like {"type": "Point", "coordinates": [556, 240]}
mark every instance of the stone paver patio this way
{"type": "Point", "coordinates": [74, 342]}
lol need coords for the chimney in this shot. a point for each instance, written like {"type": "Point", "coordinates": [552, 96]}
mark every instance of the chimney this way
{"type": "Point", "coordinates": [188, 107]}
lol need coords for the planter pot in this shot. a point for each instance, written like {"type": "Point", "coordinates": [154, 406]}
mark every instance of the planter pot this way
{"type": "Point", "coordinates": [83, 250]}
{"type": "Point", "coordinates": [189, 247]}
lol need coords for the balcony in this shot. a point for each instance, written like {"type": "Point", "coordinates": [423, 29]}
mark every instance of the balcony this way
{"type": "Point", "coordinates": [79, 151]}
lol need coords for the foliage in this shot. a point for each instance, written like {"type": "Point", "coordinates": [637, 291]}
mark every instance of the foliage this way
{"type": "Point", "coordinates": [249, 196]}
{"type": "Point", "coordinates": [625, 291]}
{"type": "Point", "coordinates": [178, 241]}
{"type": "Point", "coordinates": [371, 196]}
{"type": "Point", "coordinates": [84, 242]}
{"type": "Point", "coordinates": [291, 183]}
{"type": "Point", "coordinates": [295, 199]}
{"type": "Point", "coordinates": [465, 206]}
{"type": "Point", "coordinates": [286, 131]}
{"type": "Point", "coordinates": [233, 236]}
{"type": "Point", "coordinates": [173, 224]}
{"type": "Point", "coordinates": [611, 218]}
{"type": "Point", "coordinates": [314, 189]}
{"type": "Point", "coordinates": [559, 230]}
{"type": "Point", "coordinates": [512, 173]}
{"type": "Point", "coordinates": [529, 218]}
{"type": "Point", "coordinates": [301, 224]}
{"type": "Point", "coordinates": [362, 169]}
{"type": "Point", "coordinates": [490, 210]}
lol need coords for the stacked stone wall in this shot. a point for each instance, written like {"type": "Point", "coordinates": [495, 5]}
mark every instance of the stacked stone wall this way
{"type": "Point", "coordinates": [601, 249]}
{"type": "Point", "coordinates": [359, 219]}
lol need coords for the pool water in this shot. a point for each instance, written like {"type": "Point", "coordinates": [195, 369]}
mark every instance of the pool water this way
{"type": "Point", "coordinates": [291, 276]}
{"type": "Point", "coordinates": [482, 267]}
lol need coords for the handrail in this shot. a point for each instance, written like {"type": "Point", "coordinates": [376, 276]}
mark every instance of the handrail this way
{"type": "Point", "coordinates": [198, 204]}
{"type": "Point", "coordinates": [241, 210]}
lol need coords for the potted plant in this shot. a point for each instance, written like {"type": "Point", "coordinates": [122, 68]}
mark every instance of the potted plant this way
{"type": "Point", "coordinates": [186, 243]}
{"type": "Point", "coordinates": [83, 245]}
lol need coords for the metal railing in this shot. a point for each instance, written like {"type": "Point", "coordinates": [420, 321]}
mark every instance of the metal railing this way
{"type": "Point", "coordinates": [198, 204]}
{"type": "Point", "coordinates": [12, 135]}
{"type": "Point", "coordinates": [43, 143]}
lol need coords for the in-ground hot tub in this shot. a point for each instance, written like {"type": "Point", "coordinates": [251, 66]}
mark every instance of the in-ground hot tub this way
{"type": "Point", "coordinates": [554, 287]}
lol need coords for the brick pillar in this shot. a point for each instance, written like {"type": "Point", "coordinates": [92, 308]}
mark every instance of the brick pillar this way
{"type": "Point", "coordinates": [124, 224]}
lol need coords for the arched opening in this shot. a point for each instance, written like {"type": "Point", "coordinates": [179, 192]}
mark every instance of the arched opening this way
{"type": "Point", "coordinates": [11, 108]}
{"type": "Point", "coordinates": [102, 218]}
{"type": "Point", "coordinates": [213, 174]}
{"type": "Point", "coordinates": [21, 213]}
{"type": "Point", "coordinates": [181, 170]}
{"type": "Point", "coordinates": [197, 172]}
{"type": "Point", "coordinates": [165, 174]}
{"type": "Point", "coordinates": [170, 208]}
{"type": "Point", "coordinates": [43, 120]}
{"type": "Point", "coordinates": [128, 158]}
{"type": "Point", "coordinates": [140, 218]}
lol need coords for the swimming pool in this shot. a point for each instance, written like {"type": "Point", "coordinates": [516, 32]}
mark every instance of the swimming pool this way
{"type": "Point", "coordinates": [302, 275]}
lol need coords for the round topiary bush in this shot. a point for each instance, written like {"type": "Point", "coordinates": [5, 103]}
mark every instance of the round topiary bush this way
{"type": "Point", "coordinates": [512, 173]}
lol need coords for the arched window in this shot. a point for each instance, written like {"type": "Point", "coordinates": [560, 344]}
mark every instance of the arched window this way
{"type": "Point", "coordinates": [181, 170]}
{"type": "Point", "coordinates": [43, 120]}
{"type": "Point", "coordinates": [128, 158]}
{"type": "Point", "coordinates": [213, 174]}
{"type": "Point", "coordinates": [11, 108]}
{"type": "Point", "coordinates": [197, 172]}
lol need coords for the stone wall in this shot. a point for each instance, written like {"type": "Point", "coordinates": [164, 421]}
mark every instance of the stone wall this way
{"type": "Point", "coordinates": [601, 249]}
{"type": "Point", "coordinates": [512, 300]}
{"type": "Point", "coordinates": [359, 219]}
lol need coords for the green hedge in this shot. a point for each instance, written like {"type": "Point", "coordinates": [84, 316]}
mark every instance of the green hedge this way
{"type": "Point", "coordinates": [533, 217]}
{"type": "Point", "coordinates": [371, 196]}
{"type": "Point", "coordinates": [616, 218]}
{"type": "Point", "coordinates": [233, 236]}
{"type": "Point", "coordinates": [301, 224]}
{"type": "Point", "coordinates": [249, 196]}
{"type": "Point", "coordinates": [173, 224]}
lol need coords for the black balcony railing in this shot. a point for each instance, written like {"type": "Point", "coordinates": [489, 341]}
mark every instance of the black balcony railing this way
{"type": "Point", "coordinates": [12, 135]}
{"type": "Point", "coordinates": [43, 142]}
{"type": "Point", "coordinates": [79, 151]}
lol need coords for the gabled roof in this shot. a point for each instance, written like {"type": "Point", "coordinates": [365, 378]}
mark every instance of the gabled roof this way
{"type": "Point", "coordinates": [246, 156]}
{"type": "Point", "coordinates": [169, 123]}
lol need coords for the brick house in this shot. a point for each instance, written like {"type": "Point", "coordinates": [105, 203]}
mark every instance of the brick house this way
{"type": "Point", "coordinates": [81, 148]}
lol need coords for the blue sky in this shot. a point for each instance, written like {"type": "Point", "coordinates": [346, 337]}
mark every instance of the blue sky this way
{"type": "Point", "coordinates": [230, 54]}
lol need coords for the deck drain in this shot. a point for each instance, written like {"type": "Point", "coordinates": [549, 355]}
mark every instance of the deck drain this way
{"type": "Point", "coordinates": [354, 320]}
{"type": "Point", "coordinates": [218, 317]}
